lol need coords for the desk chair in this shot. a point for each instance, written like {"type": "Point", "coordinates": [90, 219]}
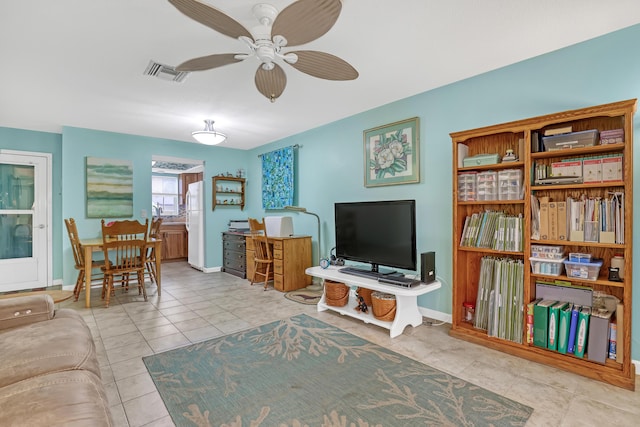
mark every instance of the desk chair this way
{"type": "Point", "coordinates": [78, 257]}
{"type": "Point", "coordinates": [263, 258]}
{"type": "Point", "coordinates": [125, 246]}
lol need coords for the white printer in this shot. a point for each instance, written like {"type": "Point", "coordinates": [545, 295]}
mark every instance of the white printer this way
{"type": "Point", "coordinates": [279, 226]}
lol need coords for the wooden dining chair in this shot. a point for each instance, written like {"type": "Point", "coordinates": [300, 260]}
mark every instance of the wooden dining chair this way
{"type": "Point", "coordinates": [154, 232]}
{"type": "Point", "coordinates": [78, 257]}
{"type": "Point", "coordinates": [263, 257]}
{"type": "Point", "coordinates": [124, 244]}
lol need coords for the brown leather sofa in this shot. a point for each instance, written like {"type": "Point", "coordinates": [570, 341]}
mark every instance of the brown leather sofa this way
{"type": "Point", "coordinates": [49, 372]}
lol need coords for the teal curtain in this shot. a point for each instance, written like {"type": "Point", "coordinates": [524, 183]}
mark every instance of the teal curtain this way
{"type": "Point", "coordinates": [277, 178]}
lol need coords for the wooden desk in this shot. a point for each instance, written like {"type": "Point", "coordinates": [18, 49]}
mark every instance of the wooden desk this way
{"type": "Point", "coordinates": [291, 256]}
{"type": "Point", "coordinates": [94, 245]}
{"type": "Point", "coordinates": [407, 312]}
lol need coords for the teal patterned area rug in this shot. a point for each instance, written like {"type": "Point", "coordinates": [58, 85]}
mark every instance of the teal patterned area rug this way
{"type": "Point", "coordinates": [303, 372]}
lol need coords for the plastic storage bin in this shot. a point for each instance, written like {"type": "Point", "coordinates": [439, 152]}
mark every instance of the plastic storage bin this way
{"type": "Point", "coordinates": [547, 252]}
{"type": "Point", "coordinates": [612, 136]}
{"type": "Point", "coordinates": [487, 185]}
{"type": "Point", "coordinates": [579, 257]}
{"type": "Point", "coordinates": [467, 187]}
{"type": "Point", "coordinates": [586, 138]}
{"type": "Point", "coordinates": [481, 160]}
{"type": "Point", "coordinates": [583, 270]}
{"type": "Point", "coordinates": [549, 267]}
{"type": "Point", "coordinates": [510, 184]}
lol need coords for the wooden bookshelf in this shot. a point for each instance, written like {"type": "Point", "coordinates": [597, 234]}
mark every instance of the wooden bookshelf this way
{"type": "Point", "coordinates": [497, 139]}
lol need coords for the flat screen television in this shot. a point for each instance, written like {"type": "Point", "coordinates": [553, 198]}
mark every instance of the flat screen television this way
{"type": "Point", "coordinates": [380, 233]}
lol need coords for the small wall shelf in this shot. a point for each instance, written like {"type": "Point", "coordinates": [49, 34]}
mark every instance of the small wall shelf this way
{"type": "Point", "coordinates": [228, 191]}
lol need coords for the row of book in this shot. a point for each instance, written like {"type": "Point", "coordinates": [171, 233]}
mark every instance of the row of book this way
{"type": "Point", "coordinates": [499, 303]}
{"type": "Point", "coordinates": [602, 168]}
{"type": "Point", "coordinates": [580, 219]}
{"type": "Point", "coordinates": [493, 230]}
{"type": "Point", "coordinates": [572, 329]}
{"type": "Point", "coordinates": [595, 219]}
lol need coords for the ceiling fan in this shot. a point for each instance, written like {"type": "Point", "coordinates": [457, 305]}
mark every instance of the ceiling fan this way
{"type": "Point", "coordinates": [300, 22]}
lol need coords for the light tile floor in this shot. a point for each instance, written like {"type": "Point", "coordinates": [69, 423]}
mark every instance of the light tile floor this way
{"type": "Point", "coordinates": [196, 306]}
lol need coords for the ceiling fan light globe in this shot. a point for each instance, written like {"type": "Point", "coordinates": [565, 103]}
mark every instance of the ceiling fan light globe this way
{"type": "Point", "coordinates": [279, 41]}
{"type": "Point", "coordinates": [290, 57]}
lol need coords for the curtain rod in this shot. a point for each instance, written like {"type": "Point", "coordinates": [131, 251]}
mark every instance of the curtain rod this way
{"type": "Point", "coordinates": [292, 146]}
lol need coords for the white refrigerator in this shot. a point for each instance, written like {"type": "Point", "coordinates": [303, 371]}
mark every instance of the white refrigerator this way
{"type": "Point", "coordinates": [195, 224]}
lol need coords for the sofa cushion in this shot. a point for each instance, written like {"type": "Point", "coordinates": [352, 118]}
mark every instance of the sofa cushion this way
{"type": "Point", "coordinates": [73, 398]}
{"type": "Point", "coordinates": [61, 344]}
{"type": "Point", "coordinates": [23, 310]}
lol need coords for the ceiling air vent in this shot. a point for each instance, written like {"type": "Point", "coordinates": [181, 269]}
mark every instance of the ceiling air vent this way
{"type": "Point", "coordinates": [165, 72]}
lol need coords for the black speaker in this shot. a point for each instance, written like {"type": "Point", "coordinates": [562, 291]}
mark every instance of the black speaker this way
{"type": "Point", "coordinates": [428, 267]}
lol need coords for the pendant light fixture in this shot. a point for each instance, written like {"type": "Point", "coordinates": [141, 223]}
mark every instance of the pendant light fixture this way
{"type": "Point", "coordinates": [208, 136]}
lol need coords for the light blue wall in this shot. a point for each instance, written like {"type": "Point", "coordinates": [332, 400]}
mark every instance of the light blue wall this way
{"type": "Point", "coordinates": [78, 143]}
{"type": "Point", "coordinates": [330, 159]}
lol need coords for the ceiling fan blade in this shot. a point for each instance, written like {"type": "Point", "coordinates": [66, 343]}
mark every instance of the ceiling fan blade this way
{"type": "Point", "coordinates": [208, 62]}
{"type": "Point", "coordinates": [324, 65]}
{"type": "Point", "coordinates": [211, 17]}
{"type": "Point", "coordinates": [306, 20]}
{"type": "Point", "coordinates": [271, 83]}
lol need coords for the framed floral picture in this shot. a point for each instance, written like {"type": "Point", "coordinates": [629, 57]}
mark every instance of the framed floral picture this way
{"type": "Point", "coordinates": [392, 153]}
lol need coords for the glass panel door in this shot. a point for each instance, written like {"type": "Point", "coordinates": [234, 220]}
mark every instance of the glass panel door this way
{"type": "Point", "coordinates": [16, 210]}
{"type": "Point", "coordinates": [25, 234]}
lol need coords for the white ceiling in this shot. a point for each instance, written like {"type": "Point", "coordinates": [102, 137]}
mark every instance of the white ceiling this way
{"type": "Point", "coordinates": [80, 62]}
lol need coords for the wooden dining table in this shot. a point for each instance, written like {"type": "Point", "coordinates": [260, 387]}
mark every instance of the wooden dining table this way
{"type": "Point", "coordinates": [95, 245]}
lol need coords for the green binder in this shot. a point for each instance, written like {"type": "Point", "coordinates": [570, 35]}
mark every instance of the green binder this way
{"type": "Point", "coordinates": [554, 322]}
{"type": "Point", "coordinates": [583, 331]}
{"type": "Point", "coordinates": [563, 328]}
{"type": "Point", "coordinates": [541, 322]}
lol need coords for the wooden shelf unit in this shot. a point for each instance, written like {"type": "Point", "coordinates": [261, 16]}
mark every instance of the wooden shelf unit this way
{"type": "Point", "coordinates": [466, 261]}
{"type": "Point", "coordinates": [231, 188]}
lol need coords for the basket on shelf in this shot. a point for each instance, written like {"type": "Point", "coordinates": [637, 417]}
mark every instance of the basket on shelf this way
{"type": "Point", "coordinates": [383, 306]}
{"type": "Point", "coordinates": [365, 294]}
{"type": "Point", "coordinates": [336, 294]}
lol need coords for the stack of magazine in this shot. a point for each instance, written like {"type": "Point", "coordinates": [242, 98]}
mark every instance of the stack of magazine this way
{"type": "Point", "coordinates": [499, 304]}
{"type": "Point", "coordinates": [493, 230]}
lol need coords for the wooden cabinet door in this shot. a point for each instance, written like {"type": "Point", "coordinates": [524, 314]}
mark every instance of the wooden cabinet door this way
{"type": "Point", "coordinates": [174, 242]}
{"type": "Point", "coordinates": [185, 180]}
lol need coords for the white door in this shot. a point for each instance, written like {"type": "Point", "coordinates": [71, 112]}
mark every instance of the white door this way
{"type": "Point", "coordinates": [25, 217]}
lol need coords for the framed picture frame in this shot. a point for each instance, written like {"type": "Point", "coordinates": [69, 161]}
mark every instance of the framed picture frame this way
{"type": "Point", "coordinates": [392, 153]}
{"type": "Point", "coordinates": [109, 188]}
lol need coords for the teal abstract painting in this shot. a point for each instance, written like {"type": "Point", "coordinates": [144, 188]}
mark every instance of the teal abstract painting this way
{"type": "Point", "coordinates": [277, 178]}
{"type": "Point", "coordinates": [109, 188]}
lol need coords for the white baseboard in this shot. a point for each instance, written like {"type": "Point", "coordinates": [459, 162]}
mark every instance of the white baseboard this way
{"type": "Point", "coordinates": [211, 270]}
{"type": "Point", "coordinates": [436, 315]}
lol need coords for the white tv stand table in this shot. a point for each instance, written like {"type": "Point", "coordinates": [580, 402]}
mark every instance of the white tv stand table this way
{"type": "Point", "coordinates": [407, 312]}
